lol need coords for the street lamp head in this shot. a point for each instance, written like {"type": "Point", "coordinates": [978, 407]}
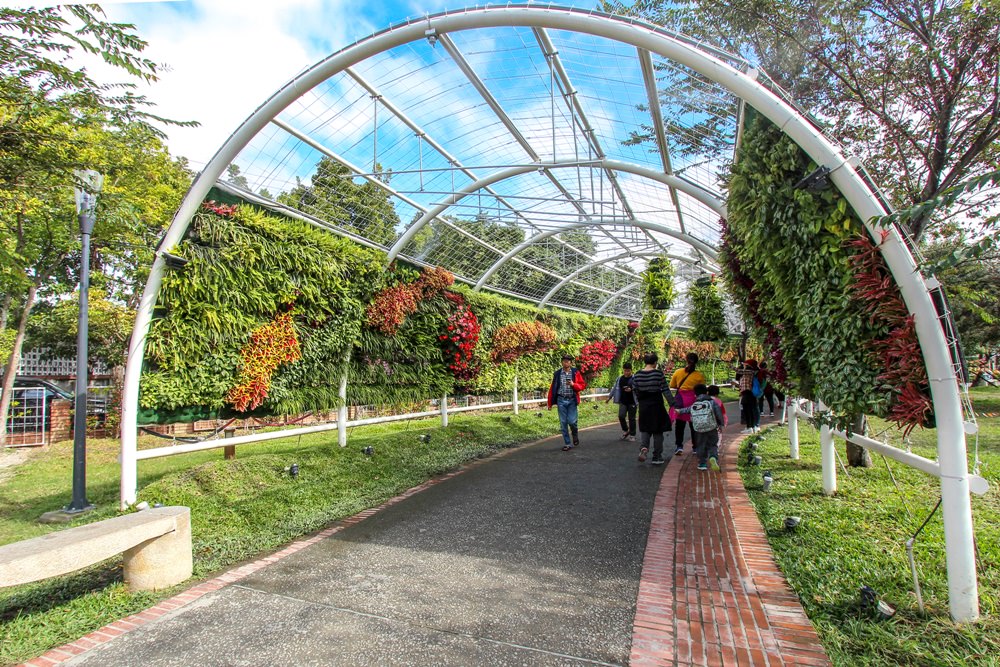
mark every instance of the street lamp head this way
{"type": "Point", "coordinates": [88, 185]}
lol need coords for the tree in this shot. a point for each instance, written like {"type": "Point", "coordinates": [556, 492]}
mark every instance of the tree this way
{"type": "Point", "coordinates": [333, 196]}
{"type": "Point", "coordinates": [54, 120]}
{"type": "Point", "coordinates": [54, 327]}
{"type": "Point", "coordinates": [912, 88]}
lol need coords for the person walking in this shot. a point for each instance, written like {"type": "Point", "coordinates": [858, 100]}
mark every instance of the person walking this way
{"type": "Point", "coordinates": [706, 426]}
{"type": "Point", "coordinates": [682, 383]}
{"type": "Point", "coordinates": [748, 401]}
{"type": "Point", "coordinates": [713, 391]}
{"type": "Point", "coordinates": [767, 391]}
{"type": "Point", "coordinates": [650, 384]}
{"type": "Point", "coordinates": [623, 393]}
{"type": "Point", "coordinates": [564, 392]}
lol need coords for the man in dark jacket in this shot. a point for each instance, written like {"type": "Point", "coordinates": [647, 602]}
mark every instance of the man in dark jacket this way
{"type": "Point", "coordinates": [623, 393]}
{"type": "Point", "coordinates": [564, 392]}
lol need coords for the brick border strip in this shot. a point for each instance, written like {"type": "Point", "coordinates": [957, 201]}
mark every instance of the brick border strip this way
{"type": "Point", "coordinates": [710, 591]}
{"type": "Point", "coordinates": [100, 636]}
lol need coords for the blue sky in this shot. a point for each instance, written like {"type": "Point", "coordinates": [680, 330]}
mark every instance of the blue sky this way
{"type": "Point", "coordinates": [223, 58]}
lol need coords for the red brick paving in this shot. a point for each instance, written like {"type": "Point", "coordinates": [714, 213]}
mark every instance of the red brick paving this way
{"type": "Point", "coordinates": [711, 593]}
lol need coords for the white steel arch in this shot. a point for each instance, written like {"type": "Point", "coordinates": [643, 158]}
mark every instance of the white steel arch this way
{"type": "Point", "coordinates": [961, 566]}
{"type": "Point", "coordinates": [652, 226]}
{"type": "Point", "coordinates": [669, 180]}
{"type": "Point", "coordinates": [625, 255]}
{"type": "Point", "coordinates": [621, 292]}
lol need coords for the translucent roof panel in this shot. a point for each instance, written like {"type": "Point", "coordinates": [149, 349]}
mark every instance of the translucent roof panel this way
{"type": "Point", "coordinates": [547, 164]}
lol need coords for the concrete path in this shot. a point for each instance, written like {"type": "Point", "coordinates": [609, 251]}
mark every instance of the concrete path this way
{"type": "Point", "coordinates": [532, 557]}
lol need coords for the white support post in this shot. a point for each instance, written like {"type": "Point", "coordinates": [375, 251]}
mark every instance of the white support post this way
{"type": "Point", "coordinates": [342, 410]}
{"type": "Point", "coordinates": [444, 411]}
{"type": "Point", "coordinates": [829, 457]}
{"type": "Point", "coordinates": [515, 394]}
{"type": "Point", "coordinates": [793, 427]}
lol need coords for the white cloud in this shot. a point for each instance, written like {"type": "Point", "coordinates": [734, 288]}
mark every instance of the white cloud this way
{"type": "Point", "coordinates": [224, 58]}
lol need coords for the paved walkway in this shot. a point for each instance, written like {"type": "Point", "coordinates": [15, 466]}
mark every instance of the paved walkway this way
{"type": "Point", "coordinates": [531, 557]}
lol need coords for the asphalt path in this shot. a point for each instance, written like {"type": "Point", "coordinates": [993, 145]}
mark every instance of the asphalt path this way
{"type": "Point", "coordinates": [530, 557]}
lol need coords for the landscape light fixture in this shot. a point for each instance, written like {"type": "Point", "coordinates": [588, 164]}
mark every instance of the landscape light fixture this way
{"type": "Point", "coordinates": [174, 261]}
{"type": "Point", "coordinates": [368, 451]}
{"type": "Point", "coordinates": [293, 470]}
{"type": "Point", "coordinates": [426, 437]}
{"type": "Point", "coordinates": [85, 193]}
{"type": "Point", "coordinates": [816, 181]}
{"type": "Point", "coordinates": [792, 522]}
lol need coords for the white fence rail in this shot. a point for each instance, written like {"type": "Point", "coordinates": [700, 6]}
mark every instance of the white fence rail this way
{"type": "Point", "coordinates": [443, 412]}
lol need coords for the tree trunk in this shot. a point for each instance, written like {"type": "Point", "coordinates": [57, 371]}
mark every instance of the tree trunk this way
{"type": "Point", "coordinates": [13, 361]}
{"type": "Point", "coordinates": [858, 456]}
{"type": "Point", "coordinates": [5, 311]}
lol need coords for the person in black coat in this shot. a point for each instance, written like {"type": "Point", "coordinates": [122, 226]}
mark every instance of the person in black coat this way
{"type": "Point", "coordinates": [650, 385]}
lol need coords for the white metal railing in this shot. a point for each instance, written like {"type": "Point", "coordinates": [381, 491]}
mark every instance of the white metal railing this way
{"type": "Point", "coordinates": [442, 411]}
{"type": "Point", "coordinates": [799, 407]}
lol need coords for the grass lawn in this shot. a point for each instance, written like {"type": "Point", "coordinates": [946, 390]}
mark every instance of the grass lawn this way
{"type": "Point", "coordinates": [240, 509]}
{"type": "Point", "coordinates": [858, 537]}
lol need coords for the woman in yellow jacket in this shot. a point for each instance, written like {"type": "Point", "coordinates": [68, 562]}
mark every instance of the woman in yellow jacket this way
{"type": "Point", "coordinates": [682, 384]}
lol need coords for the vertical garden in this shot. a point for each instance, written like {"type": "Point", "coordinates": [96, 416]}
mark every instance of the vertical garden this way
{"type": "Point", "coordinates": [268, 314]}
{"type": "Point", "coordinates": [808, 277]}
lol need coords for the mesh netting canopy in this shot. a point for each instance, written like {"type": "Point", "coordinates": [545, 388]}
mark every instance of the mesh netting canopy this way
{"type": "Point", "coordinates": [546, 164]}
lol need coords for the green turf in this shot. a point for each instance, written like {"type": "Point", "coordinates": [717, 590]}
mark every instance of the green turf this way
{"type": "Point", "coordinates": [858, 538]}
{"type": "Point", "coordinates": [240, 509]}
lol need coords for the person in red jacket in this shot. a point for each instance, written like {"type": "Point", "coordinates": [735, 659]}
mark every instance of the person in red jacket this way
{"type": "Point", "coordinates": [564, 392]}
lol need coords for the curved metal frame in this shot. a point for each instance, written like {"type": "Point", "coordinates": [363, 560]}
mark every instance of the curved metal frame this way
{"type": "Point", "coordinates": [957, 509]}
{"type": "Point", "coordinates": [651, 226]}
{"type": "Point", "coordinates": [689, 188]}
{"type": "Point", "coordinates": [623, 255]}
{"type": "Point", "coordinates": [611, 299]}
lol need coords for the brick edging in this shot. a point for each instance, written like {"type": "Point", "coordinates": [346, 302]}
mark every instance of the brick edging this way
{"type": "Point", "coordinates": [766, 623]}
{"type": "Point", "coordinates": [60, 654]}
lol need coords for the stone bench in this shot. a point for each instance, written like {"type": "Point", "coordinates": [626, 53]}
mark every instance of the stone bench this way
{"type": "Point", "coordinates": [156, 543]}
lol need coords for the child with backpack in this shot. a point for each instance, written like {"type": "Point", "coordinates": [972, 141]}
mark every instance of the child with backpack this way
{"type": "Point", "coordinates": [707, 420]}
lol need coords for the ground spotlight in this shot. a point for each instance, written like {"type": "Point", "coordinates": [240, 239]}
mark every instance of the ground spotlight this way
{"type": "Point", "coordinates": [792, 522]}
{"type": "Point", "coordinates": [424, 437]}
{"type": "Point", "coordinates": [368, 451]}
{"type": "Point", "coordinates": [293, 470]}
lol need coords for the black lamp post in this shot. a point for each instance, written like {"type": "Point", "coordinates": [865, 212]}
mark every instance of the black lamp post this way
{"type": "Point", "coordinates": [89, 186]}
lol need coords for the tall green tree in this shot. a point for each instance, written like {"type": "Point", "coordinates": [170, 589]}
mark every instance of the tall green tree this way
{"type": "Point", "coordinates": [334, 196]}
{"type": "Point", "coordinates": [55, 119]}
{"type": "Point", "coordinates": [913, 88]}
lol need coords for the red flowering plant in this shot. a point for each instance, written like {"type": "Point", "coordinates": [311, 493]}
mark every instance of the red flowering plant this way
{"type": "Point", "coordinates": [270, 345]}
{"type": "Point", "coordinates": [515, 340]}
{"type": "Point", "coordinates": [215, 207]}
{"type": "Point", "coordinates": [595, 357]}
{"type": "Point", "coordinates": [459, 340]}
{"type": "Point", "coordinates": [898, 352]}
{"type": "Point", "coordinates": [390, 308]}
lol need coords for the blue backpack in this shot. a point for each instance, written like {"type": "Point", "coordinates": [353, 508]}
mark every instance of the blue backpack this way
{"type": "Point", "coordinates": [757, 389]}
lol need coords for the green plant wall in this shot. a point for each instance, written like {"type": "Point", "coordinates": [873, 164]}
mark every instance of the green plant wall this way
{"type": "Point", "coordinates": [246, 266]}
{"type": "Point", "coordinates": [787, 261]}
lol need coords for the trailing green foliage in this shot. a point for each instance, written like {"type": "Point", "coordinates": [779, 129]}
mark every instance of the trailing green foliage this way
{"type": "Point", "coordinates": [788, 267]}
{"type": "Point", "coordinates": [247, 266]}
{"type": "Point", "coordinates": [708, 321]}
{"type": "Point", "coordinates": [243, 270]}
{"type": "Point", "coordinates": [658, 284]}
